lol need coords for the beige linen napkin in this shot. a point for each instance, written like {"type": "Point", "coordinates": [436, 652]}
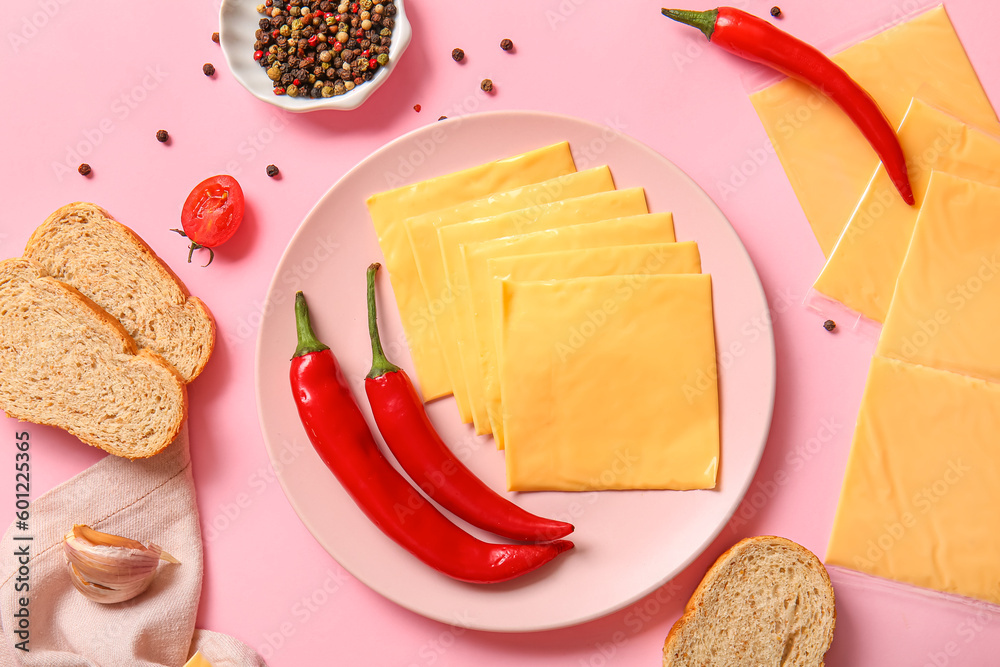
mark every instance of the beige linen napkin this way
{"type": "Point", "coordinates": [150, 500]}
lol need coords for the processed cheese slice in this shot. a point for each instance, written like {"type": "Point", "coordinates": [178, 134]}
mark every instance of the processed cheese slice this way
{"type": "Point", "coordinates": [827, 160]}
{"type": "Point", "coordinates": [946, 310]}
{"type": "Point", "coordinates": [490, 263]}
{"type": "Point", "coordinates": [862, 270]}
{"type": "Point", "coordinates": [600, 383]}
{"type": "Point", "coordinates": [389, 209]}
{"type": "Point", "coordinates": [458, 334]}
{"type": "Point", "coordinates": [919, 499]}
{"type": "Point", "coordinates": [422, 233]}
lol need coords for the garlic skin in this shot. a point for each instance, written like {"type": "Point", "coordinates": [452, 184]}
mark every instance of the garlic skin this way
{"type": "Point", "coordinates": [108, 568]}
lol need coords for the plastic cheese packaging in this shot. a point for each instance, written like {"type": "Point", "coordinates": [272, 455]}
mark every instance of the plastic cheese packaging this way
{"type": "Point", "coordinates": [389, 209]}
{"type": "Point", "coordinates": [862, 270]}
{"type": "Point", "coordinates": [457, 333]}
{"type": "Point", "coordinates": [606, 257]}
{"type": "Point", "coordinates": [946, 309]}
{"type": "Point", "coordinates": [919, 499]}
{"type": "Point", "coordinates": [598, 383]}
{"type": "Point", "coordinates": [826, 159]}
{"type": "Point", "coordinates": [422, 233]}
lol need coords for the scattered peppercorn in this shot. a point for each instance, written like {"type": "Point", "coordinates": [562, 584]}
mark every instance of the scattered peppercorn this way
{"type": "Point", "coordinates": [443, 118]}
{"type": "Point", "coordinates": [829, 325]}
{"type": "Point", "coordinates": [272, 171]}
{"type": "Point", "coordinates": [487, 86]}
{"type": "Point", "coordinates": [458, 55]}
{"type": "Point", "coordinates": [162, 136]}
{"type": "Point", "coordinates": [215, 37]}
{"type": "Point", "coordinates": [208, 69]}
{"type": "Point", "coordinates": [84, 169]}
{"type": "Point", "coordinates": [506, 44]}
{"type": "Point", "coordinates": [316, 51]}
{"type": "Point", "coordinates": [775, 11]}
{"type": "Point", "coordinates": [416, 107]}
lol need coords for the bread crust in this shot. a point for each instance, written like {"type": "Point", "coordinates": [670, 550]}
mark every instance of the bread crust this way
{"type": "Point", "coordinates": [36, 249]}
{"type": "Point", "coordinates": [717, 571]}
{"type": "Point", "coordinates": [110, 334]}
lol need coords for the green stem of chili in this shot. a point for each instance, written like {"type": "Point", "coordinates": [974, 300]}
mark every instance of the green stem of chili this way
{"type": "Point", "coordinates": [380, 365]}
{"type": "Point", "coordinates": [704, 21]}
{"type": "Point", "coordinates": [308, 343]}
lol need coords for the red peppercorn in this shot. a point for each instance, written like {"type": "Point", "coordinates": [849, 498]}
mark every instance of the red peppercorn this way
{"type": "Point", "coordinates": [373, 64]}
{"type": "Point", "coordinates": [312, 40]}
{"type": "Point", "coordinates": [279, 91]}
{"type": "Point", "coordinates": [366, 53]}
{"type": "Point", "coordinates": [338, 47]}
{"type": "Point", "coordinates": [355, 7]}
{"type": "Point", "coordinates": [359, 33]}
{"type": "Point", "coordinates": [257, 55]}
{"type": "Point", "coordinates": [275, 33]}
{"type": "Point", "coordinates": [358, 81]}
{"type": "Point", "coordinates": [297, 82]}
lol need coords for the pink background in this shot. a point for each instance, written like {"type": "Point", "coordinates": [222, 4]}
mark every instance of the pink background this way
{"type": "Point", "coordinates": [93, 81]}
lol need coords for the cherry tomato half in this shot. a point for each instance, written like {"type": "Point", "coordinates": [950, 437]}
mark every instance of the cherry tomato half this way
{"type": "Point", "coordinates": [212, 212]}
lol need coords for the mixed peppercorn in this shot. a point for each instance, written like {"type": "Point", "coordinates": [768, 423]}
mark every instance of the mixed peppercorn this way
{"type": "Point", "coordinates": [323, 48]}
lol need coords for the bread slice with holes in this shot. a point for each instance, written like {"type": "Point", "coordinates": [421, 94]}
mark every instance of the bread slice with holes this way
{"type": "Point", "coordinates": [766, 601]}
{"type": "Point", "coordinates": [66, 362]}
{"type": "Point", "coordinates": [82, 245]}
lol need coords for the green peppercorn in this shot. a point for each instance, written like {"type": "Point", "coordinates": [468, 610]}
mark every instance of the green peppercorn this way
{"type": "Point", "coordinates": [274, 73]}
{"type": "Point", "coordinates": [326, 91]}
{"type": "Point", "coordinates": [382, 59]}
{"type": "Point", "coordinates": [292, 90]}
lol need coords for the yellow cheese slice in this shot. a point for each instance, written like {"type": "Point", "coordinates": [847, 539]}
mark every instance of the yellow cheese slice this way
{"type": "Point", "coordinates": [827, 160]}
{"type": "Point", "coordinates": [862, 270]}
{"type": "Point", "coordinates": [389, 209]}
{"type": "Point", "coordinates": [946, 310]}
{"type": "Point", "coordinates": [458, 333]}
{"type": "Point", "coordinates": [919, 499]}
{"type": "Point", "coordinates": [599, 382]}
{"type": "Point", "coordinates": [422, 233]}
{"type": "Point", "coordinates": [488, 264]}
{"type": "Point", "coordinates": [197, 660]}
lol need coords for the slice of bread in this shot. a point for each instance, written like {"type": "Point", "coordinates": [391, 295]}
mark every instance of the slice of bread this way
{"type": "Point", "coordinates": [66, 362]}
{"type": "Point", "coordinates": [766, 601]}
{"type": "Point", "coordinates": [82, 245]}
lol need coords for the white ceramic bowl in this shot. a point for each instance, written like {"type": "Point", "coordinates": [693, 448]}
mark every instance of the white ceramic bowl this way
{"type": "Point", "coordinates": [238, 21]}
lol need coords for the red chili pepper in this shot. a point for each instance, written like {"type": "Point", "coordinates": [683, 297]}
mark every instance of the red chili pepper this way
{"type": "Point", "coordinates": [755, 39]}
{"type": "Point", "coordinates": [339, 433]}
{"type": "Point", "coordinates": [410, 436]}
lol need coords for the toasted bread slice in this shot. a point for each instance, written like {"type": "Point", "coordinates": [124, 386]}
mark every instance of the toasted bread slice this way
{"type": "Point", "coordinates": [766, 601]}
{"type": "Point", "coordinates": [67, 363]}
{"type": "Point", "coordinates": [82, 245]}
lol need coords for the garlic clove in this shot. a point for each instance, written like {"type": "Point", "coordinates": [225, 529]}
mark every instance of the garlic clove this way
{"type": "Point", "coordinates": [108, 568]}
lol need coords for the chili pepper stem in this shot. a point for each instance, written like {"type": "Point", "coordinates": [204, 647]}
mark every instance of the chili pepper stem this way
{"type": "Point", "coordinates": [704, 21]}
{"type": "Point", "coordinates": [308, 343]}
{"type": "Point", "coordinates": [380, 364]}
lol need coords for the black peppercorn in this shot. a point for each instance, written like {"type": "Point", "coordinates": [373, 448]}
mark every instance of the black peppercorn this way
{"type": "Point", "coordinates": [775, 11]}
{"type": "Point", "coordinates": [443, 118]}
{"type": "Point", "coordinates": [487, 86]}
{"type": "Point", "coordinates": [829, 325]}
{"type": "Point", "coordinates": [208, 69]}
{"type": "Point", "coordinates": [84, 169]}
{"type": "Point", "coordinates": [272, 171]}
{"type": "Point", "coordinates": [162, 136]}
{"type": "Point", "coordinates": [506, 45]}
{"type": "Point", "coordinates": [457, 55]}
{"type": "Point", "coordinates": [265, 24]}
{"type": "Point", "coordinates": [215, 36]}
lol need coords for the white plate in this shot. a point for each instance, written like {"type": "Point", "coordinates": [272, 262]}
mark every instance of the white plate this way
{"type": "Point", "coordinates": [238, 21]}
{"type": "Point", "coordinates": [628, 543]}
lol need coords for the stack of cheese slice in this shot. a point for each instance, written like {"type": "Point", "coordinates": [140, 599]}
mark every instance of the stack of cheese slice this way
{"type": "Point", "coordinates": [923, 481]}
{"type": "Point", "coordinates": [565, 319]}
